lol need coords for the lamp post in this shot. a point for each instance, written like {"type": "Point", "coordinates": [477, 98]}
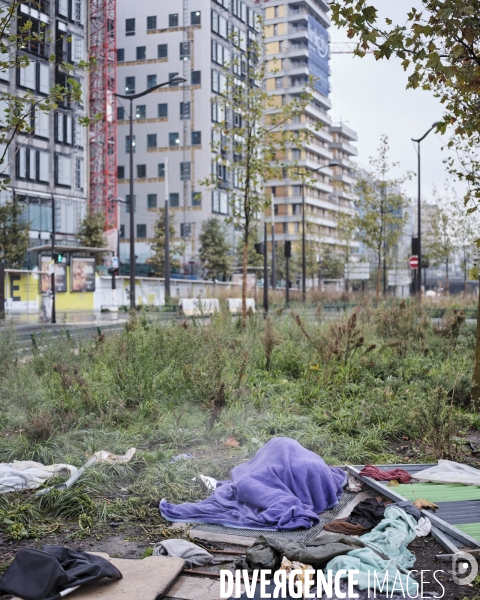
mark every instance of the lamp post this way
{"type": "Point", "coordinates": [132, 97]}
{"type": "Point", "coordinates": [419, 205]}
{"type": "Point", "coordinates": [304, 259]}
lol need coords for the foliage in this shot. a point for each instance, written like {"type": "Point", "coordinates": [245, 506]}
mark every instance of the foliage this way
{"type": "Point", "coordinates": [330, 265]}
{"type": "Point", "coordinates": [91, 232]}
{"type": "Point", "coordinates": [251, 134]}
{"type": "Point", "coordinates": [13, 235]}
{"type": "Point", "coordinates": [215, 251]}
{"type": "Point", "coordinates": [158, 245]}
{"type": "Point", "coordinates": [347, 233]}
{"type": "Point", "coordinates": [380, 203]}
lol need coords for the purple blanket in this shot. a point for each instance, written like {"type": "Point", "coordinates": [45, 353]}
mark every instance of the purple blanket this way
{"type": "Point", "coordinates": [284, 486]}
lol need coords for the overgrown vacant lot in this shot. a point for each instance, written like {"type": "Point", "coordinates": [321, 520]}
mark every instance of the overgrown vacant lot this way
{"type": "Point", "coordinates": [379, 385]}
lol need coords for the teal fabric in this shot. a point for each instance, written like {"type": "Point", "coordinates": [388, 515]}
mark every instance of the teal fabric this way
{"type": "Point", "coordinates": [391, 538]}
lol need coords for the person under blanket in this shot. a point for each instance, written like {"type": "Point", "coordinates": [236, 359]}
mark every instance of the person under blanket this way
{"type": "Point", "coordinates": [283, 487]}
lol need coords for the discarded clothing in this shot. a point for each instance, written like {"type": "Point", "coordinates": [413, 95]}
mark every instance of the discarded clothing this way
{"type": "Point", "coordinates": [354, 484]}
{"type": "Point", "coordinates": [115, 459]}
{"type": "Point", "coordinates": [193, 555]}
{"type": "Point", "coordinates": [284, 486]}
{"type": "Point", "coordinates": [375, 473]}
{"type": "Point", "coordinates": [390, 538]}
{"type": "Point", "coordinates": [40, 574]}
{"type": "Point", "coordinates": [423, 527]}
{"type": "Point", "coordinates": [29, 475]}
{"type": "Point", "coordinates": [409, 508]}
{"type": "Point", "coordinates": [364, 516]}
{"type": "Point", "coordinates": [448, 471]}
{"type": "Point", "coordinates": [267, 552]}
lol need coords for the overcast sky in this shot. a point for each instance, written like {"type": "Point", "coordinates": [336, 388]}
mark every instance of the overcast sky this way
{"type": "Point", "coordinates": [370, 97]}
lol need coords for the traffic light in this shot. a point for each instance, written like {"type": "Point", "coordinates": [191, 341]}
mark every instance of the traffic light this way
{"type": "Point", "coordinates": [288, 249]}
{"type": "Point", "coordinates": [259, 248]}
{"type": "Point", "coordinates": [57, 257]}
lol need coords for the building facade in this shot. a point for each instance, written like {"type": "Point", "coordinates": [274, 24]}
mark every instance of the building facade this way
{"type": "Point", "coordinates": [46, 166]}
{"type": "Point", "coordinates": [173, 126]}
{"type": "Point", "coordinates": [297, 44]}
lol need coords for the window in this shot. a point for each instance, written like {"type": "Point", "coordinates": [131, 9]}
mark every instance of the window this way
{"type": "Point", "coordinates": [44, 78]}
{"type": "Point", "coordinates": [127, 144]}
{"type": "Point", "coordinates": [42, 123]}
{"type": "Point", "coordinates": [170, 77]}
{"type": "Point", "coordinates": [174, 200]}
{"type": "Point", "coordinates": [22, 162]}
{"type": "Point", "coordinates": [141, 231]}
{"type": "Point", "coordinates": [219, 202]}
{"type": "Point", "coordinates": [141, 171]}
{"type": "Point", "coordinates": [43, 166]}
{"type": "Point", "coordinates": [185, 171]}
{"type": "Point", "coordinates": [79, 173]}
{"type": "Point", "coordinates": [215, 21]}
{"type": "Point", "coordinates": [120, 113]}
{"type": "Point", "coordinates": [196, 198]}
{"type": "Point", "coordinates": [121, 231]}
{"type": "Point", "coordinates": [163, 110]}
{"type": "Point", "coordinates": [120, 172]}
{"type": "Point", "coordinates": [196, 138]}
{"type": "Point", "coordinates": [151, 200]}
{"type": "Point", "coordinates": [219, 82]}
{"type": "Point", "coordinates": [162, 51]}
{"type": "Point", "coordinates": [161, 170]}
{"type": "Point", "coordinates": [120, 54]}
{"type": "Point", "coordinates": [151, 81]}
{"type": "Point", "coordinates": [184, 50]}
{"type": "Point", "coordinates": [173, 20]}
{"type": "Point", "coordinates": [63, 128]}
{"type": "Point", "coordinates": [196, 77]}
{"type": "Point", "coordinates": [141, 111]}
{"type": "Point", "coordinates": [129, 85]}
{"type": "Point", "coordinates": [127, 202]}
{"type": "Point", "coordinates": [63, 170]}
{"type": "Point", "coordinates": [278, 82]}
{"type": "Point", "coordinates": [28, 76]}
{"type": "Point", "coordinates": [296, 154]}
{"type": "Point", "coordinates": [296, 190]}
{"type": "Point", "coordinates": [151, 140]}
{"type": "Point", "coordinates": [151, 23]}
{"type": "Point", "coordinates": [129, 26]}
{"type": "Point", "coordinates": [141, 52]}
{"type": "Point", "coordinates": [173, 139]}
{"type": "Point", "coordinates": [62, 8]}
{"type": "Point", "coordinates": [184, 110]}
{"type": "Point", "coordinates": [195, 17]}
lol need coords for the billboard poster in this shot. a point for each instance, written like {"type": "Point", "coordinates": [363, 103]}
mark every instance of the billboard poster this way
{"type": "Point", "coordinates": [318, 56]}
{"type": "Point", "coordinates": [60, 275]}
{"type": "Point", "coordinates": [82, 272]}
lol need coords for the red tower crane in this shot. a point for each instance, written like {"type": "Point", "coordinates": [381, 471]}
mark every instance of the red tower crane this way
{"type": "Point", "coordinates": [103, 114]}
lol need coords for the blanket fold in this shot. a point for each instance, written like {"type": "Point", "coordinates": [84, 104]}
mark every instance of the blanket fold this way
{"type": "Point", "coordinates": [284, 486]}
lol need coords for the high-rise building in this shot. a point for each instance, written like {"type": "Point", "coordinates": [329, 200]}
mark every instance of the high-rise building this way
{"type": "Point", "coordinates": [49, 162]}
{"type": "Point", "coordinates": [297, 45]}
{"type": "Point", "coordinates": [173, 125]}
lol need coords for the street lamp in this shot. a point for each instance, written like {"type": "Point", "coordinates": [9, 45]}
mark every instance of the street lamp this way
{"type": "Point", "coordinates": [419, 269]}
{"type": "Point", "coordinates": [131, 97]}
{"type": "Point", "coordinates": [333, 163]}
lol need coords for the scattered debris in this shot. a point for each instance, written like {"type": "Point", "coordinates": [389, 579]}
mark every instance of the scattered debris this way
{"type": "Point", "coordinates": [231, 442]}
{"type": "Point", "coordinates": [185, 456]}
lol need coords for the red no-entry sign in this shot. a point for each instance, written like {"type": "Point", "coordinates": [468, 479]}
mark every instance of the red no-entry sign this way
{"type": "Point", "coordinates": [413, 262]}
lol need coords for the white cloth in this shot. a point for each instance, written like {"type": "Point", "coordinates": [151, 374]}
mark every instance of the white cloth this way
{"type": "Point", "coordinates": [115, 459]}
{"type": "Point", "coordinates": [28, 475]}
{"type": "Point", "coordinates": [448, 471]}
{"type": "Point", "coordinates": [423, 527]}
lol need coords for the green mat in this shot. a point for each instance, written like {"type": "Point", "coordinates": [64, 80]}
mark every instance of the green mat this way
{"type": "Point", "coordinates": [472, 529]}
{"type": "Point", "coordinates": [438, 492]}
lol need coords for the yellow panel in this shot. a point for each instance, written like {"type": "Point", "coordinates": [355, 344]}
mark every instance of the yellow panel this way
{"type": "Point", "coordinates": [276, 101]}
{"type": "Point", "coordinates": [272, 47]}
{"type": "Point", "coordinates": [72, 301]}
{"type": "Point", "coordinates": [270, 83]}
{"type": "Point", "coordinates": [270, 12]}
{"type": "Point", "coordinates": [268, 31]}
{"type": "Point", "coordinates": [21, 289]}
{"type": "Point", "coordinates": [282, 28]}
{"type": "Point", "coordinates": [281, 10]}
{"type": "Point", "coordinates": [278, 227]}
{"type": "Point", "coordinates": [274, 65]}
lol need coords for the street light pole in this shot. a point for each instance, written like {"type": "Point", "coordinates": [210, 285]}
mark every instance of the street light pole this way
{"type": "Point", "coordinates": [304, 257]}
{"type": "Point", "coordinates": [131, 98]}
{"type": "Point", "coordinates": [419, 210]}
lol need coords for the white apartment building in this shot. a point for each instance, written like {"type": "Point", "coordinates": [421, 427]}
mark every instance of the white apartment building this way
{"type": "Point", "coordinates": [173, 125]}
{"type": "Point", "coordinates": [50, 162]}
{"type": "Point", "coordinates": [297, 38]}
